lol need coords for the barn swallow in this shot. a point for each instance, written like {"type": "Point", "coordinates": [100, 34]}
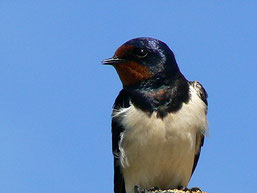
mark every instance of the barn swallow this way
{"type": "Point", "coordinates": [158, 120]}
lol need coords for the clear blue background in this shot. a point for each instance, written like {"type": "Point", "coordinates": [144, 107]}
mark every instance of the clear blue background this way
{"type": "Point", "coordinates": [56, 98]}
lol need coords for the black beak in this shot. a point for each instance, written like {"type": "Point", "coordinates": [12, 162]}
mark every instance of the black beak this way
{"type": "Point", "coordinates": [111, 61]}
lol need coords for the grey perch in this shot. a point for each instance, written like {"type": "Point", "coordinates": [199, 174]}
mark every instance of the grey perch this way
{"type": "Point", "coordinates": [138, 190]}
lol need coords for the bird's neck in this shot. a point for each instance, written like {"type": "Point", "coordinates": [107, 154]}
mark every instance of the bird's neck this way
{"type": "Point", "coordinates": [161, 93]}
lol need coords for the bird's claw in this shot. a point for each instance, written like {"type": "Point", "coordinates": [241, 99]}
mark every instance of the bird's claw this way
{"type": "Point", "coordinates": [137, 189]}
{"type": "Point", "coordinates": [194, 189]}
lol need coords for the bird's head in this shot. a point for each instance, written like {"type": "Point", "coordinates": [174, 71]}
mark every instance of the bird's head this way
{"type": "Point", "coordinates": [143, 58]}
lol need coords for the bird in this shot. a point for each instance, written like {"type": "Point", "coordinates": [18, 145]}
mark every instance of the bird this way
{"type": "Point", "coordinates": [159, 118]}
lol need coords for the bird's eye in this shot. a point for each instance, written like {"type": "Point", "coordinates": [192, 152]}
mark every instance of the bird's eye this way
{"type": "Point", "coordinates": [141, 53]}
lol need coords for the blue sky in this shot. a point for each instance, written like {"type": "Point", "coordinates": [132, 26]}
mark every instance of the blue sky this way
{"type": "Point", "coordinates": [56, 98]}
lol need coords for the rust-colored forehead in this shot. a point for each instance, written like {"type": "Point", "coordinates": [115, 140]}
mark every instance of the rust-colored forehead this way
{"type": "Point", "coordinates": [121, 51]}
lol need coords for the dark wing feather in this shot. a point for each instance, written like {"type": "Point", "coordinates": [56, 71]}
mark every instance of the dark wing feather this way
{"type": "Point", "coordinates": [122, 101]}
{"type": "Point", "coordinates": [199, 138]}
{"type": "Point", "coordinates": [201, 92]}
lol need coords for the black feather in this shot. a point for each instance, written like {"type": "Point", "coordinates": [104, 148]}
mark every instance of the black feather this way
{"type": "Point", "coordinates": [122, 101]}
{"type": "Point", "coordinates": [201, 92]}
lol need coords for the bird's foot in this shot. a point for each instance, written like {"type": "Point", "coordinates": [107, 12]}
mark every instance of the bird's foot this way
{"type": "Point", "coordinates": [194, 189]}
{"type": "Point", "coordinates": [137, 189]}
{"type": "Point", "coordinates": [182, 188]}
{"type": "Point", "coordinates": [154, 189]}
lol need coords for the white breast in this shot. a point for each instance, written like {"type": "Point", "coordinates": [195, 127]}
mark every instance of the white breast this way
{"type": "Point", "coordinates": [156, 152]}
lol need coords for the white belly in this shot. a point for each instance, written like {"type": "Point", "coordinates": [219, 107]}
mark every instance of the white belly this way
{"type": "Point", "coordinates": [160, 153]}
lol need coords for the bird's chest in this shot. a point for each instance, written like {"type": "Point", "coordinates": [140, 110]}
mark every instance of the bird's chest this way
{"type": "Point", "coordinates": [159, 152]}
{"type": "Point", "coordinates": [150, 138]}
